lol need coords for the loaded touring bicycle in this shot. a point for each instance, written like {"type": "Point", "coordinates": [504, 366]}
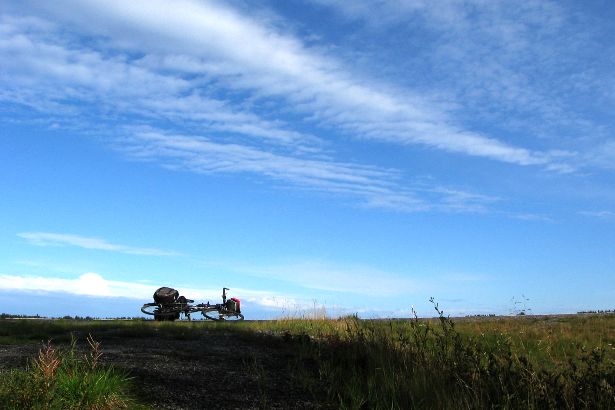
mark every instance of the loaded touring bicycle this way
{"type": "Point", "coordinates": [169, 306]}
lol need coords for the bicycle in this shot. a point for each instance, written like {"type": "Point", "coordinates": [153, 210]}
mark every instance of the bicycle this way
{"type": "Point", "coordinates": [170, 311]}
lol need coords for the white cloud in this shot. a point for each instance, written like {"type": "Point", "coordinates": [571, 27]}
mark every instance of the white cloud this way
{"type": "Point", "coordinates": [267, 303]}
{"type": "Point", "coordinates": [243, 53]}
{"type": "Point", "coordinates": [44, 70]}
{"type": "Point", "coordinates": [63, 239]}
{"type": "Point", "coordinates": [93, 284]}
{"type": "Point", "coordinates": [523, 67]}
{"type": "Point", "coordinates": [206, 71]}
{"type": "Point", "coordinates": [377, 187]}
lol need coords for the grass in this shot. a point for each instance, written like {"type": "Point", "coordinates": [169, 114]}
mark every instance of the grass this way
{"type": "Point", "coordinates": [513, 362]}
{"type": "Point", "coordinates": [427, 364]}
{"type": "Point", "coordinates": [348, 363]}
{"type": "Point", "coordinates": [62, 330]}
{"type": "Point", "coordinates": [60, 379]}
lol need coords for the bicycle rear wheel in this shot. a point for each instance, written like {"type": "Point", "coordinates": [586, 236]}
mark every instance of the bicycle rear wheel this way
{"type": "Point", "coordinates": [168, 317]}
{"type": "Point", "coordinates": [150, 308]}
{"type": "Point", "coordinates": [159, 312]}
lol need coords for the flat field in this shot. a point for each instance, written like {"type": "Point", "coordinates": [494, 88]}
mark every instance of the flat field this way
{"type": "Point", "coordinates": [488, 362]}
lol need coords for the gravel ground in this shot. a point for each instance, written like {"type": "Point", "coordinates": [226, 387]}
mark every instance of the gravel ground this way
{"type": "Point", "coordinates": [218, 370]}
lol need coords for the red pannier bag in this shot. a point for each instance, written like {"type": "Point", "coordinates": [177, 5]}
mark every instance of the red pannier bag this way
{"type": "Point", "coordinates": [237, 305]}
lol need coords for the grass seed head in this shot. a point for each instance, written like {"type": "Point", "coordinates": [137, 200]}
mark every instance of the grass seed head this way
{"type": "Point", "coordinates": [48, 362]}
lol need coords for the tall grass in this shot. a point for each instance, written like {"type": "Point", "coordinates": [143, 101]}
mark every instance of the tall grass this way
{"type": "Point", "coordinates": [62, 379]}
{"type": "Point", "coordinates": [517, 362]}
{"type": "Point", "coordinates": [422, 364]}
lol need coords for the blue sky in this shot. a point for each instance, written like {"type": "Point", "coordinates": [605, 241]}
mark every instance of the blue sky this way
{"type": "Point", "coordinates": [364, 156]}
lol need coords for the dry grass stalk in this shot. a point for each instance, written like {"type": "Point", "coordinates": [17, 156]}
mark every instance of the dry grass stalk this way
{"type": "Point", "coordinates": [48, 362]}
{"type": "Point", "coordinates": [95, 354]}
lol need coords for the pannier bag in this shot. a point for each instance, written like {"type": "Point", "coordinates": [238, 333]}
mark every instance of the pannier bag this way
{"type": "Point", "coordinates": [234, 305]}
{"type": "Point", "coordinates": [165, 295]}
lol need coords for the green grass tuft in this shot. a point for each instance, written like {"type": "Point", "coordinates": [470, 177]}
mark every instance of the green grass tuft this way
{"type": "Point", "coordinates": [60, 379]}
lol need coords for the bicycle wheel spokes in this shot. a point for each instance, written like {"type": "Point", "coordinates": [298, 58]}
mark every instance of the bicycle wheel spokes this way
{"type": "Point", "coordinates": [234, 317]}
{"type": "Point", "coordinates": [150, 308]}
{"type": "Point", "coordinates": [219, 315]}
{"type": "Point", "coordinates": [162, 312]}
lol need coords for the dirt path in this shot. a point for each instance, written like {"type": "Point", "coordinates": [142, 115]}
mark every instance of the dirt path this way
{"type": "Point", "coordinates": [218, 370]}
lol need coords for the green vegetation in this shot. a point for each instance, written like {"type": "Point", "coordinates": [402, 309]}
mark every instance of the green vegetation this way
{"type": "Point", "coordinates": [59, 379]}
{"type": "Point", "coordinates": [487, 362]}
{"type": "Point", "coordinates": [511, 362]}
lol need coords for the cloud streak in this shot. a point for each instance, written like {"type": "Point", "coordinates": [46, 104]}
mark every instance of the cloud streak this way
{"type": "Point", "coordinates": [203, 87]}
{"type": "Point", "coordinates": [45, 71]}
{"type": "Point", "coordinates": [375, 186]}
{"type": "Point", "coordinates": [530, 70]}
{"type": "Point", "coordinates": [320, 276]}
{"type": "Point", "coordinates": [84, 242]}
{"type": "Point", "coordinates": [599, 214]}
{"type": "Point", "coordinates": [52, 75]}
{"type": "Point", "coordinates": [212, 41]}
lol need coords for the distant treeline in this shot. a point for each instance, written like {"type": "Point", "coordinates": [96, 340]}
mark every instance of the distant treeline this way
{"type": "Point", "coordinates": [10, 316]}
{"type": "Point", "coordinates": [67, 317]}
{"type": "Point", "coordinates": [100, 318]}
{"type": "Point", "coordinates": [597, 311]}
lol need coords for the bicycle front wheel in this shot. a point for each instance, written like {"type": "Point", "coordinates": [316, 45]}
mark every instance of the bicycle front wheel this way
{"type": "Point", "coordinates": [222, 316]}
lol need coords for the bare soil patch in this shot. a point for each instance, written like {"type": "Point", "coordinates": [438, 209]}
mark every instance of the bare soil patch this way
{"type": "Point", "coordinates": [214, 370]}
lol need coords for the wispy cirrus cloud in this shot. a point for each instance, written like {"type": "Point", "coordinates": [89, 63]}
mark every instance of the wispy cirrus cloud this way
{"type": "Point", "coordinates": [531, 217]}
{"type": "Point", "coordinates": [85, 242]}
{"type": "Point", "coordinates": [53, 75]}
{"type": "Point", "coordinates": [325, 276]}
{"type": "Point", "coordinates": [227, 50]}
{"type": "Point", "coordinates": [374, 187]}
{"type": "Point", "coordinates": [599, 214]}
{"type": "Point", "coordinates": [506, 64]}
{"type": "Point", "coordinates": [249, 91]}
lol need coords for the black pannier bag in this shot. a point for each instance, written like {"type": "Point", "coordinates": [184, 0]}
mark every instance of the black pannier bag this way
{"type": "Point", "coordinates": [165, 295]}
